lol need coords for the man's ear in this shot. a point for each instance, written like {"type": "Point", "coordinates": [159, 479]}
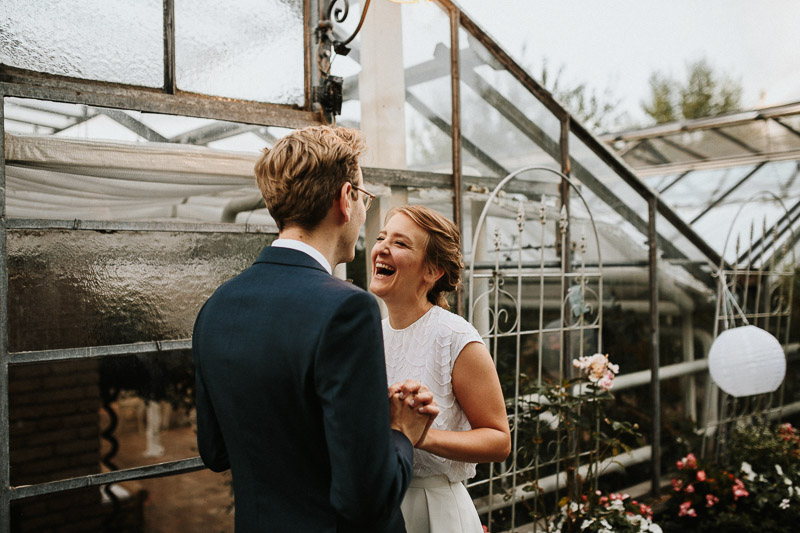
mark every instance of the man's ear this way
{"type": "Point", "coordinates": [344, 201]}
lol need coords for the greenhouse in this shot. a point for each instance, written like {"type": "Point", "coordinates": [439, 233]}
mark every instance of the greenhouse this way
{"type": "Point", "coordinates": [127, 196]}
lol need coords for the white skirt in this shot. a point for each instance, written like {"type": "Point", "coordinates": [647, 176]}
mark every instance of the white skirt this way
{"type": "Point", "coordinates": [435, 505]}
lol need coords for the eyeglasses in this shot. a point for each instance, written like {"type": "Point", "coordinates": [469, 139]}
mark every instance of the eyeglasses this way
{"type": "Point", "coordinates": [368, 197]}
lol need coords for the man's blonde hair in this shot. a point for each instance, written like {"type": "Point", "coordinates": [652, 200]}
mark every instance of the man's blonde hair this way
{"type": "Point", "coordinates": [301, 175]}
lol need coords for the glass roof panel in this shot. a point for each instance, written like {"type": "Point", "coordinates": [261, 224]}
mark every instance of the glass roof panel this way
{"type": "Point", "coordinates": [673, 148]}
{"type": "Point", "coordinates": [649, 152]}
{"type": "Point", "coordinates": [741, 224]}
{"type": "Point", "coordinates": [120, 42]}
{"type": "Point", "coordinates": [698, 189]}
{"type": "Point", "coordinates": [121, 165]}
{"type": "Point", "coordinates": [610, 200]}
{"type": "Point", "coordinates": [661, 182]}
{"type": "Point", "coordinates": [426, 59]}
{"type": "Point", "coordinates": [249, 50]}
{"type": "Point", "coordinates": [778, 178]}
{"type": "Point", "coordinates": [753, 137]}
{"type": "Point", "coordinates": [788, 135]}
{"type": "Point", "coordinates": [508, 127]}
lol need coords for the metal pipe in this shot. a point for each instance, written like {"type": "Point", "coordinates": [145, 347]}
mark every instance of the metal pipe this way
{"type": "Point", "coordinates": [169, 47]}
{"type": "Point", "coordinates": [113, 225]}
{"type": "Point", "coordinates": [5, 467]}
{"type": "Point", "coordinates": [655, 362]}
{"type": "Point", "coordinates": [555, 481]}
{"type": "Point", "coordinates": [458, 182]}
{"type": "Point", "coordinates": [170, 468]}
{"type": "Point", "coordinates": [239, 205]}
{"type": "Point", "coordinates": [111, 350]}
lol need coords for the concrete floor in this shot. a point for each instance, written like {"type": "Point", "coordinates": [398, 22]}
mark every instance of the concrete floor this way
{"type": "Point", "coordinates": [197, 502]}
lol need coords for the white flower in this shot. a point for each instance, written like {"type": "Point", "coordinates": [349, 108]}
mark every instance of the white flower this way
{"type": "Point", "coordinates": [616, 505]}
{"type": "Point", "coordinates": [587, 523]}
{"type": "Point", "coordinates": [784, 503]}
{"type": "Point", "coordinates": [655, 528]}
{"type": "Point", "coordinates": [779, 470]}
{"type": "Point", "coordinates": [749, 475]}
{"type": "Point", "coordinates": [605, 524]}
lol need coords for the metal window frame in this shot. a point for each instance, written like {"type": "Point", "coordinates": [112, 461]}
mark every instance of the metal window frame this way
{"type": "Point", "coordinates": [15, 82]}
{"type": "Point", "coordinates": [27, 84]}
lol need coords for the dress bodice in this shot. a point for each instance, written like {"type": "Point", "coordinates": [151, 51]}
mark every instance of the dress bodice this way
{"type": "Point", "coordinates": [427, 351]}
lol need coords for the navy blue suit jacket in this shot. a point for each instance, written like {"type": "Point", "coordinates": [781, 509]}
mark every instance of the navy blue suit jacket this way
{"type": "Point", "coordinates": [291, 396]}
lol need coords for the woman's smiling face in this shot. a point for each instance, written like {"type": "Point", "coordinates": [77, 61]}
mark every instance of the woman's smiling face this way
{"type": "Point", "coordinates": [399, 266]}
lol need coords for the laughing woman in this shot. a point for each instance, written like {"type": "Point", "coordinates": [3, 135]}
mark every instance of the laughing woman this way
{"type": "Point", "coordinates": [416, 262]}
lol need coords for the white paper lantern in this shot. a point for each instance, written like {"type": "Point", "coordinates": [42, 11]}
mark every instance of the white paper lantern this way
{"type": "Point", "coordinates": [746, 361]}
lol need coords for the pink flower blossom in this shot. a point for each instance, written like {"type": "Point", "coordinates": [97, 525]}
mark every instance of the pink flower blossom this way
{"type": "Point", "coordinates": [701, 475]}
{"type": "Point", "coordinates": [686, 510]}
{"type": "Point", "coordinates": [738, 490]}
{"type": "Point", "coordinates": [598, 369]}
{"type": "Point", "coordinates": [690, 461]}
{"type": "Point", "coordinates": [689, 489]}
{"type": "Point", "coordinates": [607, 381]}
{"type": "Point", "coordinates": [711, 500]}
{"type": "Point", "coordinates": [677, 484]}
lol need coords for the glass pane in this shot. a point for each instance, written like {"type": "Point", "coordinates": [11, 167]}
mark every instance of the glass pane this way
{"type": "Point", "coordinates": [93, 39]}
{"type": "Point", "coordinates": [618, 210]}
{"type": "Point", "coordinates": [426, 58]}
{"type": "Point", "coordinates": [77, 418]}
{"type": "Point", "coordinates": [504, 127]}
{"type": "Point", "coordinates": [84, 288]}
{"type": "Point", "coordinates": [250, 50]}
{"type": "Point", "coordinates": [106, 164]}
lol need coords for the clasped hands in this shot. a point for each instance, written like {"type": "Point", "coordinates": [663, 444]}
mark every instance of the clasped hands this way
{"type": "Point", "coordinates": [412, 410]}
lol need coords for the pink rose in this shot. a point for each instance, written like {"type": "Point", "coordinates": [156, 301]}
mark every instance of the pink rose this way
{"type": "Point", "coordinates": [701, 475]}
{"type": "Point", "coordinates": [691, 461]}
{"type": "Point", "coordinates": [686, 509]}
{"type": "Point", "coordinates": [738, 490]}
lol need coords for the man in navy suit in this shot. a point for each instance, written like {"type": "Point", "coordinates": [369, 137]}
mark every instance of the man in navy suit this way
{"type": "Point", "coordinates": [289, 363]}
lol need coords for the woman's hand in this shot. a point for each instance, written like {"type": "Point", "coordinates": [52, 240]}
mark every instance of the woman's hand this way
{"type": "Point", "coordinates": [417, 397]}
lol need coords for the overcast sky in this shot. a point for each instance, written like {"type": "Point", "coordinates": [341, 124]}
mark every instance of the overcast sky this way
{"type": "Point", "coordinates": [617, 44]}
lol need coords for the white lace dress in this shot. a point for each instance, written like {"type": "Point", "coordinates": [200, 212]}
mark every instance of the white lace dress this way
{"type": "Point", "coordinates": [437, 501]}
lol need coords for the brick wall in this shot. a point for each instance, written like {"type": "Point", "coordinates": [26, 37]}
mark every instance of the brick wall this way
{"type": "Point", "coordinates": [54, 430]}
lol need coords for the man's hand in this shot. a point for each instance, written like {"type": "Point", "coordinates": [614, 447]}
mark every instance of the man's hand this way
{"type": "Point", "coordinates": [412, 410]}
{"type": "Point", "coordinates": [416, 395]}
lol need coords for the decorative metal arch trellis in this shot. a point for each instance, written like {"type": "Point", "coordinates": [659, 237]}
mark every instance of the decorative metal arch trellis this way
{"type": "Point", "coordinates": [757, 289]}
{"type": "Point", "coordinates": [538, 307]}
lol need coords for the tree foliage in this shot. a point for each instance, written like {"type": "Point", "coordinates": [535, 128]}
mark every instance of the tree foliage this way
{"type": "Point", "coordinates": [704, 93]}
{"type": "Point", "coordinates": [598, 110]}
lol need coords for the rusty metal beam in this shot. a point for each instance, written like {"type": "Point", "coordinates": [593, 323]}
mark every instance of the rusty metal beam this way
{"type": "Point", "coordinates": [23, 84]}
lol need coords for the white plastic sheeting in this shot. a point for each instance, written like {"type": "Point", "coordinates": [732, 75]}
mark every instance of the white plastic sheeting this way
{"type": "Point", "coordinates": [54, 178]}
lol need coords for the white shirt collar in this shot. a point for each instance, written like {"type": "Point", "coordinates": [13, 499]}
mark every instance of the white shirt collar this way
{"type": "Point", "coordinates": [300, 246]}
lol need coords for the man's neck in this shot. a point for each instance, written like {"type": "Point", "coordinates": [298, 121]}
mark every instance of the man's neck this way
{"type": "Point", "coordinates": [317, 239]}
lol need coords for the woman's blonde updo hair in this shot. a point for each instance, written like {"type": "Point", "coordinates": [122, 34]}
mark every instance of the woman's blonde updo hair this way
{"type": "Point", "coordinates": [442, 251]}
